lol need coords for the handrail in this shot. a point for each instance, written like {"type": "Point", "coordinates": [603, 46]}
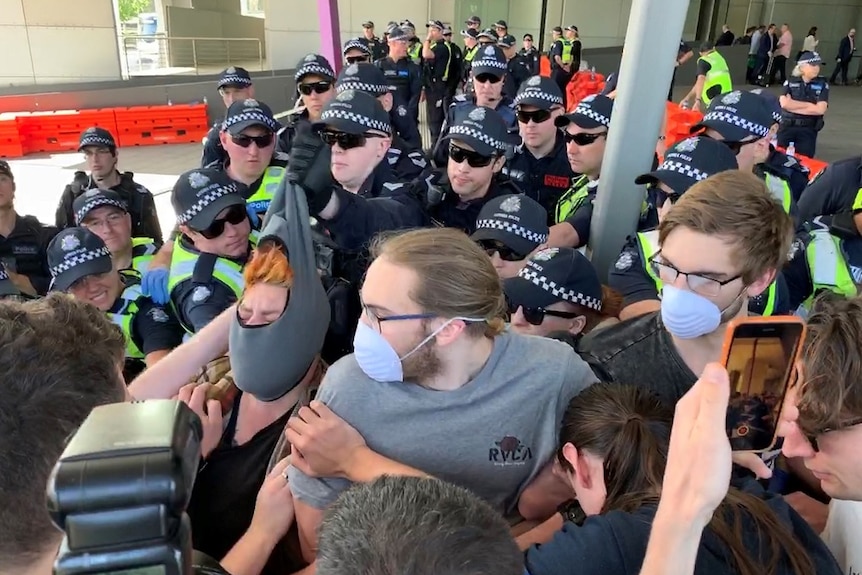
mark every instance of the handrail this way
{"type": "Point", "coordinates": [133, 41]}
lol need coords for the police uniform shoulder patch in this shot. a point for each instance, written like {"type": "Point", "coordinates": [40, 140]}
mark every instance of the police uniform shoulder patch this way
{"type": "Point", "coordinates": [786, 83]}
{"type": "Point", "coordinates": [69, 243]}
{"type": "Point", "coordinates": [731, 97]}
{"type": "Point", "coordinates": [477, 114]}
{"type": "Point", "coordinates": [402, 111]}
{"type": "Point", "coordinates": [534, 81]}
{"type": "Point", "coordinates": [545, 255]}
{"type": "Point", "coordinates": [159, 315]}
{"type": "Point", "coordinates": [198, 180]}
{"type": "Point", "coordinates": [345, 96]}
{"type": "Point", "coordinates": [201, 294]}
{"type": "Point", "coordinates": [511, 205]}
{"type": "Point", "coordinates": [392, 186]}
{"type": "Point", "coordinates": [624, 261]}
{"type": "Point", "coordinates": [757, 91]}
{"type": "Point", "coordinates": [797, 246]}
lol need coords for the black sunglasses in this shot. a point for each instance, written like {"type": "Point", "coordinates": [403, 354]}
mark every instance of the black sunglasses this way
{"type": "Point", "coordinates": [321, 87]}
{"type": "Point", "coordinates": [244, 140]}
{"type": "Point", "coordinates": [582, 139]}
{"type": "Point", "coordinates": [485, 78]}
{"type": "Point", "coordinates": [356, 59]}
{"type": "Point", "coordinates": [536, 315]}
{"type": "Point", "coordinates": [235, 215]}
{"type": "Point", "coordinates": [506, 253]}
{"type": "Point", "coordinates": [344, 140]}
{"type": "Point", "coordinates": [660, 196]}
{"type": "Point", "coordinates": [812, 437]}
{"type": "Point", "coordinates": [474, 159]}
{"type": "Point", "coordinates": [537, 116]}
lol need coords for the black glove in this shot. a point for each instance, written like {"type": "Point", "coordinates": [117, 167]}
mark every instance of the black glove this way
{"type": "Point", "coordinates": [842, 225]}
{"type": "Point", "coordinates": [433, 188]}
{"type": "Point", "coordinates": [309, 166]}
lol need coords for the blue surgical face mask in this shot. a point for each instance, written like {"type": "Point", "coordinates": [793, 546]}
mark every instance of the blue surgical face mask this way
{"type": "Point", "coordinates": [378, 359]}
{"type": "Point", "coordinates": [688, 315]}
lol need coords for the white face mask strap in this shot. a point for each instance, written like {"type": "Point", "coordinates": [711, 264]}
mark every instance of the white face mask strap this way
{"type": "Point", "coordinates": [434, 333]}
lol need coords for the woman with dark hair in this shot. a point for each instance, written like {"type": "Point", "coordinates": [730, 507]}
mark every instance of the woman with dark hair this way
{"type": "Point", "coordinates": [613, 449]}
{"type": "Point", "coordinates": [810, 43]}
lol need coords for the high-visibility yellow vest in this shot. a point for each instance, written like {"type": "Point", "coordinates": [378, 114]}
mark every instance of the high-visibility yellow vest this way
{"type": "Point", "coordinates": [718, 75]}
{"type": "Point", "coordinates": [265, 192]}
{"type": "Point", "coordinates": [124, 317]}
{"type": "Point", "coordinates": [143, 250]}
{"type": "Point", "coordinates": [828, 266]}
{"type": "Point", "coordinates": [448, 61]}
{"type": "Point", "coordinates": [470, 53]}
{"type": "Point", "coordinates": [568, 51]}
{"type": "Point", "coordinates": [780, 190]}
{"type": "Point", "coordinates": [415, 52]}
{"type": "Point", "coordinates": [572, 199]}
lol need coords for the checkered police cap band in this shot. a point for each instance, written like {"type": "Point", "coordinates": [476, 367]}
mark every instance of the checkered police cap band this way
{"type": "Point", "coordinates": [355, 44]}
{"type": "Point", "coordinates": [252, 114]}
{"type": "Point", "coordinates": [78, 259]}
{"type": "Point", "coordinates": [512, 228]}
{"type": "Point", "coordinates": [364, 121]}
{"type": "Point", "coordinates": [98, 202]}
{"type": "Point", "coordinates": [3, 274]}
{"type": "Point", "coordinates": [204, 201]}
{"type": "Point", "coordinates": [776, 116]}
{"type": "Point", "coordinates": [461, 130]}
{"type": "Point", "coordinates": [588, 112]}
{"type": "Point", "coordinates": [234, 80]}
{"type": "Point", "coordinates": [562, 293]}
{"type": "Point", "coordinates": [313, 68]}
{"type": "Point", "coordinates": [813, 59]}
{"type": "Point", "coordinates": [684, 169]}
{"type": "Point", "coordinates": [735, 120]}
{"type": "Point", "coordinates": [490, 63]}
{"type": "Point", "coordinates": [94, 140]}
{"type": "Point", "coordinates": [352, 84]}
{"type": "Point", "coordinates": [535, 93]}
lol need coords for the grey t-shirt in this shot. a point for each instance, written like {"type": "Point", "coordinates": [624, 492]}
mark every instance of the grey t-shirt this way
{"type": "Point", "coordinates": [491, 436]}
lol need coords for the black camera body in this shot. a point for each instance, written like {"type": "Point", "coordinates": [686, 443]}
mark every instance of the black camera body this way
{"type": "Point", "coordinates": [121, 487]}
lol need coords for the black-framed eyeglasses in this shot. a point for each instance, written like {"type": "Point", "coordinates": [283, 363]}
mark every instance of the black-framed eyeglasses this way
{"type": "Point", "coordinates": [244, 140]}
{"type": "Point", "coordinates": [583, 139]}
{"type": "Point", "coordinates": [344, 140]}
{"type": "Point", "coordinates": [536, 315]}
{"type": "Point", "coordinates": [377, 321]}
{"type": "Point", "coordinates": [812, 436]}
{"type": "Point", "coordinates": [357, 59]}
{"type": "Point", "coordinates": [506, 253]}
{"type": "Point", "coordinates": [474, 159]}
{"type": "Point", "coordinates": [321, 87]}
{"type": "Point", "coordinates": [485, 78]}
{"type": "Point", "coordinates": [537, 116]}
{"type": "Point", "coordinates": [697, 283]}
{"type": "Point", "coordinates": [235, 215]}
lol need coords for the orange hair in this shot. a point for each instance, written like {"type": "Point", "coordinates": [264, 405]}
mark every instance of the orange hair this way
{"type": "Point", "coordinates": [269, 265]}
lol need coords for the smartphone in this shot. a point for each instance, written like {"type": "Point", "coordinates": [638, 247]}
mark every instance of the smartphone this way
{"type": "Point", "coordinates": [759, 354]}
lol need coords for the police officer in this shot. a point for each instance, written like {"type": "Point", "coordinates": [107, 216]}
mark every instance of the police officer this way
{"type": "Point", "coordinates": [213, 245]}
{"type": "Point", "coordinates": [404, 162]}
{"type": "Point", "coordinates": [437, 56]}
{"type": "Point", "coordinates": [315, 86]}
{"type": "Point", "coordinates": [683, 54]}
{"type": "Point", "coordinates": [517, 69]}
{"type": "Point", "coordinates": [742, 121]}
{"type": "Point", "coordinates": [473, 23]}
{"type": "Point", "coordinates": [104, 213]}
{"type": "Point", "coordinates": [414, 45]}
{"type": "Point", "coordinates": [778, 163]}
{"type": "Point", "coordinates": [487, 38]}
{"type": "Point", "coordinates": [100, 153]}
{"type": "Point", "coordinates": [713, 78]}
{"type": "Point", "coordinates": [455, 69]}
{"type": "Point", "coordinates": [471, 46]}
{"type": "Point", "coordinates": [489, 70]}
{"type": "Point", "coordinates": [23, 241]}
{"type": "Point", "coordinates": [501, 28]}
{"type": "Point", "coordinates": [586, 132]}
{"type": "Point", "coordinates": [688, 162]}
{"type": "Point", "coordinates": [804, 101]}
{"type": "Point", "coordinates": [540, 166]}
{"type": "Point", "coordinates": [530, 54]}
{"type": "Point", "coordinates": [375, 45]}
{"type": "Point", "coordinates": [405, 77]}
{"type": "Point", "coordinates": [355, 51]}
{"type": "Point", "coordinates": [837, 189]}
{"type": "Point", "coordinates": [81, 265]}
{"type": "Point", "coordinates": [561, 59]}
{"type": "Point", "coordinates": [233, 84]}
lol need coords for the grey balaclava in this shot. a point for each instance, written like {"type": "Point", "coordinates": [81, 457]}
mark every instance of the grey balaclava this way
{"type": "Point", "coordinates": [270, 360]}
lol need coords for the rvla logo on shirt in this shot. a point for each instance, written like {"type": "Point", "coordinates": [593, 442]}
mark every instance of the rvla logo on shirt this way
{"type": "Point", "coordinates": [509, 451]}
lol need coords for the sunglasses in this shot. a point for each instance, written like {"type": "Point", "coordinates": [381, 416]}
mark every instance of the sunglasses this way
{"type": "Point", "coordinates": [662, 196]}
{"type": "Point", "coordinates": [582, 139]}
{"type": "Point", "coordinates": [485, 78]}
{"type": "Point", "coordinates": [537, 116]}
{"type": "Point", "coordinates": [536, 315]}
{"type": "Point", "coordinates": [812, 437]}
{"type": "Point", "coordinates": [506, 253]}
{"type": "Point", "coordinates": [356, 60]}
{"type": "Point", "coordinates": [235, 215]}
{"type": "Point", "coordinates": [474, 159]}
{"type": "Point", "coordinates": [321, 87]}
{"type": "Point", "coordinates": [346, 141]}
{"type": "Point", "coordinates": [244, 141]}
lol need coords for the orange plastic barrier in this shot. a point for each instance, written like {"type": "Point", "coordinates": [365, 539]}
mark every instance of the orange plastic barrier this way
{"type": "Point", "coordinates": [10, 143]}
{"type": "Point", "coordinates": [545, 67]}
{"type": "Point", "coordinates": [149, 125]}
{"type": "Point", "coordinates": [678, 123]}
{"type": "Point", "coordinates": [583, 84]}
{"type": "Point", "coordinates": [814, 165]}
{"type": "Point", "coordinates": [59, 131]}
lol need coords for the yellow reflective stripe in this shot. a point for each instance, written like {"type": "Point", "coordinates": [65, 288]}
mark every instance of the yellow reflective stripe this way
{"type": "Point", "coordinates": [123, 318]}
{"type": "Point", "coordinates": [718, 75]}
{"type": "Point", "coordinates": [572, 199]}
{"type": "Point", "coordinates": [265, 192]}
{"type": "Point", "coordinates": [857, 203]}
{"type": "Point", "coordinates": [648, 244]}
{"type": "Point", "coordinates": [567, 55]}
{"type": "Point", "coordinates": [780, 190]}
{"type": "Point", "coordinates": [770, 299]}
{"type": "Point", "coordinates": [828, 268]}
{"type": "Point", "coordinates": [448, 62]}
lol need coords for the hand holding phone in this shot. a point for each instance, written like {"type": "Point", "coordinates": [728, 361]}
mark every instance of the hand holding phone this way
{"type": "Point", "coordinates": [759, 354]}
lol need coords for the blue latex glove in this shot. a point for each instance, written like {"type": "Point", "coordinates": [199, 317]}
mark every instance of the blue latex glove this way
{"type": "Point", "coordinates": [252, 215]}
{"type": "Point", "coordinates": [154, 284]}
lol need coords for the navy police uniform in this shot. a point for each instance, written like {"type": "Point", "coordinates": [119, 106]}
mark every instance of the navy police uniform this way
{"type": "Point", "coordinates": [517, 69]}
{"type": "Point", "coordinates": [837, 189]}
{"type": "Point", "coordinates": [405, 78]}
{"type": "Point", "coordinates": [24, 251]}
{"type": "Point", "coordinates": [436, 76]}
{"type": "Point", "coordinates": [376, 47]}
{"type": "Point", "coordinates": [213, 152]}
{"type": "Point", "coordinates": [802, 129]}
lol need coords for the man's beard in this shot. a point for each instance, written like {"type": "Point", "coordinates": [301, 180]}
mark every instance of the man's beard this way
{"type": "Point", "coordinates": [424, 364]}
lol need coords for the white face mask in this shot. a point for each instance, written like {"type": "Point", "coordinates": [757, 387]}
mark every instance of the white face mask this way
{"type": "Point", "coordinates": [378, 359]}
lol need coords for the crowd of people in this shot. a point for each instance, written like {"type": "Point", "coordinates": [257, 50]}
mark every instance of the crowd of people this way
{"type": "Point", "coordinates": [406, 362]}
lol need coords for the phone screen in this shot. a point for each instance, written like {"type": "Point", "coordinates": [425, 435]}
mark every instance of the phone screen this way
{"type": "Point", "coordinates": [759, 363]}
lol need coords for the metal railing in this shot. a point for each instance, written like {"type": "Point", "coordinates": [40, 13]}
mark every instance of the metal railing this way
{"type": "Point", "coordinates": [149, 55]}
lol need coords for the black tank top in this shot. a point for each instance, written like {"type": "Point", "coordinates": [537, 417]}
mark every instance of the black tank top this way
{"type": "Point", "coordinates": [225, 491]}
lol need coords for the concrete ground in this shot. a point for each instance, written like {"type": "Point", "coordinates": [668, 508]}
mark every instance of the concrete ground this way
{"type": "Point", "coordinates": [41, 178]}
